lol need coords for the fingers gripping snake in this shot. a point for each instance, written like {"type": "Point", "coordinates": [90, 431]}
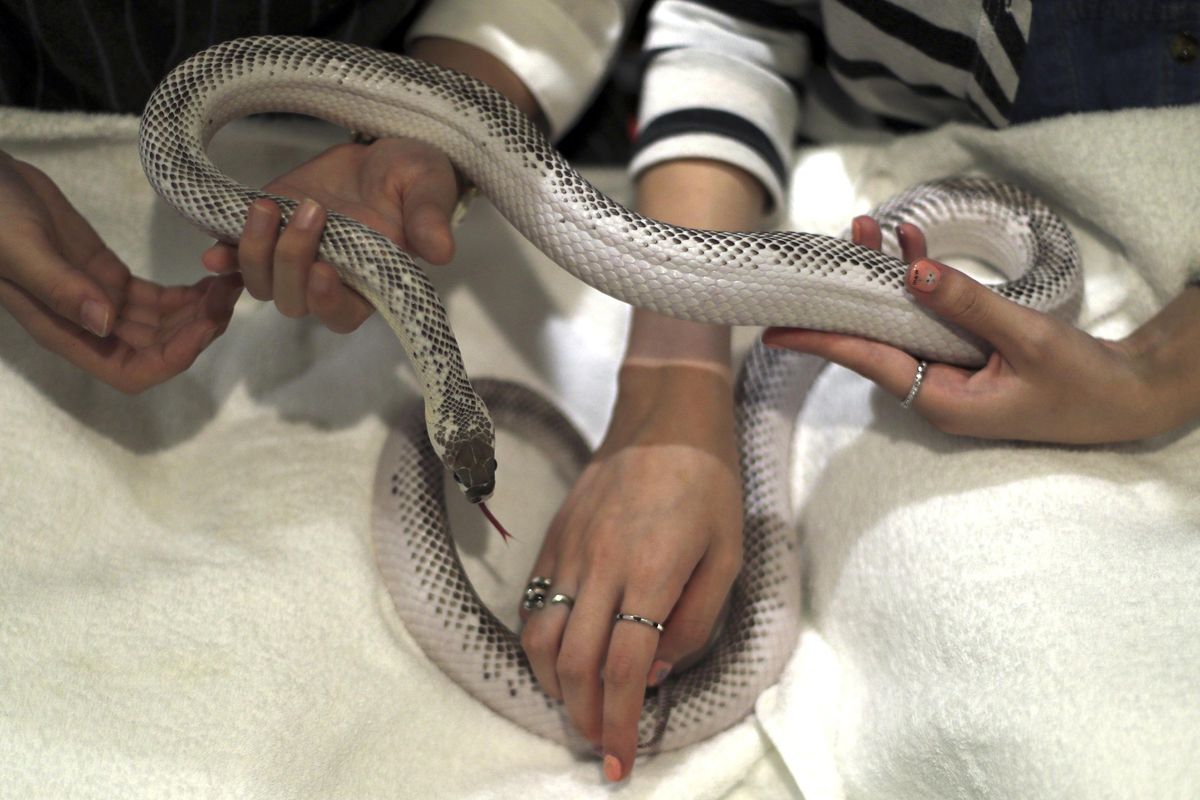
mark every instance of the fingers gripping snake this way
{"type": "Point", "coordinates": [767, 278]}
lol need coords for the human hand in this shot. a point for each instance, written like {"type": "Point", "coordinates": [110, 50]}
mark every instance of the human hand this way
{"type": "Point", "coordinates": [652, 527]}
{"type": "Point", "coordinates": [76, 298]}
{"type": "Point", "coordinates": [1046, 381]}
{"type": "Point", "coordinates": [403, 188]}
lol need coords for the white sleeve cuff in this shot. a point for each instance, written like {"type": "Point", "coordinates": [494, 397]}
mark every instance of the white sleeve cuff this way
{"type": "Point", "coordinates": [698, 104]}
{"type": "Point", "coordinates": [558, 48]}
{"type": "Point", "coordinates": [717, 148]}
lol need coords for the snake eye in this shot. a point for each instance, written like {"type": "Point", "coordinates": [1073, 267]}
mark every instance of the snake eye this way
{"type": "Point", "coordinates": [492, 464]}
{"type": "Point", "coordinates": [457, 478]}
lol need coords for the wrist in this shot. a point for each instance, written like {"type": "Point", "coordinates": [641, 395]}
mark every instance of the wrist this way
{"type": "Point", "coordinates": [677, 400]}
{"type": "Point", "coordinates": [1167, 350]}
{"type": "Point", "coordinates": [657, 340]}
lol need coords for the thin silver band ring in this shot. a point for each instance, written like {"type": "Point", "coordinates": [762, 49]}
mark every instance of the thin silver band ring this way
{"type": "Point", "coordinates": [635, 618]}
{"type": "Point", "coordinates": [565, 599]}
{"type": "Point", "coordinates": [918, 379]}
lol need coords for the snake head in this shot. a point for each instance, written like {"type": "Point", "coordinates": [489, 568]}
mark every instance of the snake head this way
{"type": "Point", "coordinates": [473, 466]}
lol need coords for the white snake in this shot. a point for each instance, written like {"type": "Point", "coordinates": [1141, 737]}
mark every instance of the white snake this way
{"type": "Point", "coordinates": [772, 278]}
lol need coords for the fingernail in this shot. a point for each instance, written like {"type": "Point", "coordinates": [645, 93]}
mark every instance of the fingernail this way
{"type": "Point", "coordinates": [925, 276]}
{"type": "Point", "coordinates": [306, 215]}
{"type": "Point", "coordinates": [612, 768]}
{"type": "Point", "coordinates": [208, 338]}
{"type": "Point", "coordinates": [855, 229]}
{"type": "Point", "coordinates": [94, 317]}
{"type": "Point", "coordinates": [659, 671]}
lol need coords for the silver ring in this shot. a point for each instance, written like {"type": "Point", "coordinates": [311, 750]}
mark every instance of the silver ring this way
{"type": "Point", "coordinates": [565, 599]}
{"type": "Point", "coordinates": [635, 618]}
{"type": "Point", "coordinates": [916, 384]}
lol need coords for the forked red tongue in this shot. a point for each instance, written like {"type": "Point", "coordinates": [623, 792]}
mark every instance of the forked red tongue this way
{"type": "Point", "coordinates": [487, 512]}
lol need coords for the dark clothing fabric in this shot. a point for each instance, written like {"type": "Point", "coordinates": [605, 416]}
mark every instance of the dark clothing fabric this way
{"type": "Point", "coordinates": [108, 55]}
{"type": "Point", "coordinates": [1098, 55]}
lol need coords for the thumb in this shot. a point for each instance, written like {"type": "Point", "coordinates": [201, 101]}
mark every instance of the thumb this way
{"type": "Point", "coordinates": [428, 204]}
{"type": "Point", "coordinates": [427, 231]}
{"type": "Point", "coordinates": [35, 264]}
{"type": "Point", "coordinates": [964, 301]}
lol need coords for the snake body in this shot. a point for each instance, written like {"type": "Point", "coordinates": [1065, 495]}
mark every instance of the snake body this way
{"type": "Point", "coordinates": [767, 278]}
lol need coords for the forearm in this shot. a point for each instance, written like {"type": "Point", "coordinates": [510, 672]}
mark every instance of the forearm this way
{"type": "Point", "coordinates": [478, 63]}
{"type": "Point", "coordinates": [697, 194]}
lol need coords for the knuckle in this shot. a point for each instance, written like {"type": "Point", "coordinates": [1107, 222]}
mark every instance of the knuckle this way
{"type": "Point", "coordinates": [22, 231]}
{"type": "Point", "coordinates": [966, 301]}
{"type": "Point", "coordinates": [649, 575]}
{"type": "Point", "coordinates": [605, 555]}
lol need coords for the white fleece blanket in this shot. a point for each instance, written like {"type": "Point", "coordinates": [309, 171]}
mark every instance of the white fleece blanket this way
{"type": "Point", "coordinates": [189, 606]}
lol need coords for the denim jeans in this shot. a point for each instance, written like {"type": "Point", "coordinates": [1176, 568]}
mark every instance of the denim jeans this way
{"type": "Point", "coordinates": [1094, 55]}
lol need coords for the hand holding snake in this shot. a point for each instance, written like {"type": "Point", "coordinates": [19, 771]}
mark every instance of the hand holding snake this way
{"type": "Point", "coordinates": [402, 188]}
{"type": "Point", "coordinates": [705, 276]}
{"type": "Point", "coordinates": [1046, 380]}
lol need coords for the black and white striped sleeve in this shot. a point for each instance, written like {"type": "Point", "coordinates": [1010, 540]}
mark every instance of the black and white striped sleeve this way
{"type": "Point", "coordinates": [719, 84]}
{"type": "Point", "coordinates": [559, 48]}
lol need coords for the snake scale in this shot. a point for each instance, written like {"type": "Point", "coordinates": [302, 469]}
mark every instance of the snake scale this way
{"type": "Point", "coordinates": [766, 278]}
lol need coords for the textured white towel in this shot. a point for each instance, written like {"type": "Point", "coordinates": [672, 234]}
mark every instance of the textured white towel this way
{"type": "Point", "coordinates": [188, 603]}
{"type": "Point", "coordinates": [990, 620]}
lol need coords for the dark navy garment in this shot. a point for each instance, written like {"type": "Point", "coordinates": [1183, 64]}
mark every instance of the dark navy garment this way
{"type": "Point", "coordinates": [1100, 55]}
{"type": "Point", "coordinates": [108, 55]}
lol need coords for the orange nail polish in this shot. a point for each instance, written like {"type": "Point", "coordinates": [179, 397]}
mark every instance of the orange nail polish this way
{"type": "Point", "coordinates": [612, 768]}
{"type": "Point", "coordinates": [925, 276]}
